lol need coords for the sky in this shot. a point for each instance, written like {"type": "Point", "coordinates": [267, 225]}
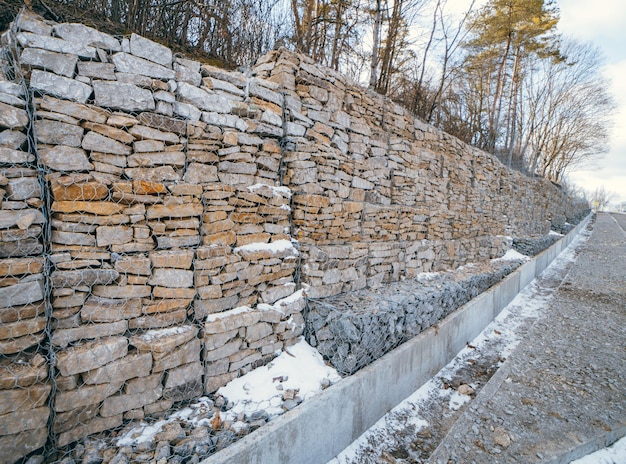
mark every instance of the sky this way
{"type": "Point", "coordinates": [601, 22]}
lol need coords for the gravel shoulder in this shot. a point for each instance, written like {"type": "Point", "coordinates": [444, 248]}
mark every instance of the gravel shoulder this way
{"type": "Point", "coordinates": [563, 389]}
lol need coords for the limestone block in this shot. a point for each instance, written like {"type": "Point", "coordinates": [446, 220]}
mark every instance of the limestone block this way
{"type": "Point", "coordinates": [260, 89]}
{"type": "Point", "coordinates": [171, 158]}
{"type": "Point", "coordinates": [186, 73]}
{"type": "Point", "coordinates": [14, 447]}
{"type": "Point", "coordinates": [258, 331]}
{"type": "Point", "coordinates": [75, 110]}
{"type": "Point", "coordinates": [9, 156]}
{"type": "Point", "coordinates": [273, 294]}
{"type": "Point", "coordinates": [89, 277]}
{"type": "Point", "coordinates": [113, 235]}
{"type": "Point", "coordinates": [122, 96]}
{"type": "Point", "coordinates": [81, 34]}
{"type": "Point", "coordinates": [174, 211]}
{"type": "Point", "coordinates": [183, 375]}
{"type": "Point", "coordinates": [58, 133]}
{"type": "Point", "coordinates": [172, 278]}
{"type": "Point", "coordinates": [23, 399]}
{"type": "Point", "coordinates": [97, 142]}
{"type": "Point", "coordinates": [91, 355]}
{"type": "Point", "coordinates": [164, 340]}
{"type": "Point", "coordinates": [17, 266]}
{"type": "Point", "coordinates": [202, 99]}
{"type": "Point", "coordinates": [103, 71]}
{"type": "Point", "coordinates": [63, 64]}
{"type": "Point", "coordinates": [54, 44]}
{"type": "Point", "coordinates": [158, 174]}
{"type": "Point", "coordinates": [184, 354]}
{"type": "Point", "coordinates": [23, 188]}
{"type": "Point", "coordinates": [126, 63]}
{"type": "Point", "coordinates": [97, 309]}
{"type": "Point", "coordinates": [31, 22]}
{"type": "Point", "coordinates": [177, 259]}
{"type": "Point", "coordinates": [63, 337]}
{"type": "Point", "coordinates": [11, 117]}
{"type": "Point", "coordinates": [64, 158]}
{"type": "Point", "coordinates": [60, 86]}
{"type": "Point", "coordinates": [200, 173]}
{"type": "Point", "coordinates": [122, 291]}
{"type": "Point", "coordinates": [186, 110]}
{"type": "Point", "coordinates": [230, 320]}
{"type": "Point", "coordinates": [121, 403]}
{"type": "Point", "coordinates": [98, 424]}
{"type": "Point", "coordinates": [21, 293]}
{"type": "Point", "coordinates": [163, 123]}
{"type": "Point", "coordinates": [145, 48]}
{"type": "Point", "coordinates": [12, 139]}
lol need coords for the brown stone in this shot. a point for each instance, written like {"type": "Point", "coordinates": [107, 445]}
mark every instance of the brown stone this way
{"type": "Point", "coordinates": [95, 425]}
{"type": "Point", "coordinates": [110, 132]}
{"type": "Point", "coordinates": [18, 266]}
{"type": "Point", "coordinates": [79, 192]}
{"type": "Point", "coordinates": [174, 211]}
{"type": "Point", "coordinates": [23, 399]}
{"type": "Point", "coordinates": [103, 208]}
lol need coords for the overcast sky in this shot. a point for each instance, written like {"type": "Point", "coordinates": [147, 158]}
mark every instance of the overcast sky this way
{"type": "Point", "coordinates": [603, 22]}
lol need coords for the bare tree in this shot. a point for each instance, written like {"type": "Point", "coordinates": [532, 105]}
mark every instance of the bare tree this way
{"type": "Point", "coordinates": [601, 198]}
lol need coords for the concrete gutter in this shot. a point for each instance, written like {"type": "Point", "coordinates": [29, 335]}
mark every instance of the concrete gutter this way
{"type": "Point", "coordinates": [320, 428]}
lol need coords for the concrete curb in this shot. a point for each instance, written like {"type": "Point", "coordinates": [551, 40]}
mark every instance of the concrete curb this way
{"type": "Point", "coordinates": [320, 428]}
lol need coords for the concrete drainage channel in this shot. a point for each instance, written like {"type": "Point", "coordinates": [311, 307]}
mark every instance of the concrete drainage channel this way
{"type": "Point", "coordinates": [317, 430]}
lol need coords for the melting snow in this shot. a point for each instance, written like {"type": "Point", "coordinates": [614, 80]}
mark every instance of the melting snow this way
{"type": "Point", "coordinates": [279, 246]}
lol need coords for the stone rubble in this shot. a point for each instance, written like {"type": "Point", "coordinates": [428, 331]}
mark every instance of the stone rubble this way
{"type": "Point", "coordinates": [165, 215]}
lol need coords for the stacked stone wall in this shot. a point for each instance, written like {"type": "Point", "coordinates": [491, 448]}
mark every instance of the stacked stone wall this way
{"type": "Point", "coordinates": [160, 219]}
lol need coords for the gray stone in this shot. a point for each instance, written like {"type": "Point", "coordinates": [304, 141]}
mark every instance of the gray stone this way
{"type": "Point", "coordinates": [98, 424]}
{"type": "Point", "coordinates": [202, 99]}
{"type": "Point", "coordinates": [11, 117]}
{"type": "Point", "coordinates": [184, 374]}
{"type": "Point", "coordinates": [12, 139]}
{"type": "Point", "coordinates": [21, 294]}
{"type": "Point", "coordinates": [54, 44]}
{"type": "Point", "coordinates": [14, 447]}
{"type": "Point", "coordinates": [144, 132]}
{"type": "Point", "coordinates": [79, 33]}
{"type": "Point", "coordinates": [127, 97]}
{"type": "Point", "coordinates": [11, 88]}
{"type": "Point", "coordinates": [91, 355]}
{"type": "Point", "coordinates": [58, 133]}
{"type": "Point", "coordinates": [185, 74]}
{"type": "Point", "coordinates": [200, 173]}
{"type": "Point", "coordinates": [98, 309]}
{"type": "Point", "coordinates": [172, 278]}
{"type": "Point", "coordinates": [185, 110]}
{"type": "Point", "coordinates": [24, 420]}
{"type": "Point", "coordinates": [23, 188]}
{"type": "Point", "coordinates": [80, 277]}
{"type": "Point", "coordinates": [121, 403]}
{"type": "Point", "coordinates": [31, 22]}
{"type": "Point", "coordinates": [98, 142]}
{"type": "Point", "coordinates": [158, 174]}
{"type": "Point", "coordinates": [20, 218]}
{"type": "Point", "coordinates": [62, 158]}
{"type": "Point", "coordinates": [145, 48]}
{"type": "Point", "coordinates": [60, 86]}
{"type": "Point", "coordinates": [129, 367]}
{"type": "Point", "coordinates": [113, 235]}
{"type": "Point", "coordinates": [122, 291]}
{"type": "Point", "coordinates": [103, 71]}
{"type": "Point", "coordinates": [257, 89]}
{"type": "Point", "coordinates": [63, 337]}
{"type": "Point", "coordinates": [187, 353]}
{"type": "Point", "coordinates": [63, 64]}
{"type": "Point", "coordinates": [9, 156]}
{"type": "Point", "coordinates": [130, 64]}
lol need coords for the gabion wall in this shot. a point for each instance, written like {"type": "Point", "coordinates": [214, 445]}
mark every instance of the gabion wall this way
{"type": "Point", "coordinates": [160, 218]}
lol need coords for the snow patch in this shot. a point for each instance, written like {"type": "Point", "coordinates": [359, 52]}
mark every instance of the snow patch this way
{"type": "Point", "coordinates": [279, 246]}
{"type": "Point", "coordinates": [512, 255]}
{"type": "Point", "coordinates": [300, 367]}
{"type": "Point", "coordinates": [276, 191]}
{"type": "Point", "coordinates": [232, 312]}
